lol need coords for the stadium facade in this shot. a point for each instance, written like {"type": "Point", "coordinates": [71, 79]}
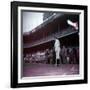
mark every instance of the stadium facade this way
{"type": "Point", "coordinates": [54, 24]}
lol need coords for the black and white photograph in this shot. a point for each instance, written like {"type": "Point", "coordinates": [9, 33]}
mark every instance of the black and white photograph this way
{"type": "Point", "coordinates": [51, 44]}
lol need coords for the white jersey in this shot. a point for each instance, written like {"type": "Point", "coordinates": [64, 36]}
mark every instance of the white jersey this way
{"type": "Point", "coordinates": [57, 48]}
{"type": "Point", "coordinates": [57, 44]}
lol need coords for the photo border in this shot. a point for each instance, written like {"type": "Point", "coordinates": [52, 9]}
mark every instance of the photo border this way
{"type": "Point", "coordinates": [14, 43]}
